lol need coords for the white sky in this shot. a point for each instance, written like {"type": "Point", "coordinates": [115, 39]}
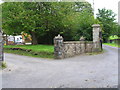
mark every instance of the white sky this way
{"type": "Point", "coordinates": [0, 1]}
{"type": "Point", "coordinates": [108, 4]}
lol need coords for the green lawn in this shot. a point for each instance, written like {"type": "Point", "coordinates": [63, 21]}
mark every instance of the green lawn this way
{"type": "Point", "coordinates": [43, 51]}
{"type": "Point", "coordinates": [112, 44]}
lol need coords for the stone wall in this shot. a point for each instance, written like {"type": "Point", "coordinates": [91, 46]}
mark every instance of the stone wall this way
{"type": "Point", "coordinates": [71, 48]}
{"type": "Point", "coordinates": [1, 47]}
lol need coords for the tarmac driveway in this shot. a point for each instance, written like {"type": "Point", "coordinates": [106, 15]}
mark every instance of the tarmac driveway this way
{"type": "Point", "coordinates": [84, 71]}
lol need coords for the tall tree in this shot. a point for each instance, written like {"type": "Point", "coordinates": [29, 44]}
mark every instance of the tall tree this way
{"type": "Point", "coordinates": [36, 18]}
{"type": "Point", "coordinates": [107, 19]}
{"type": "Point", "coordinates": [44, 20]}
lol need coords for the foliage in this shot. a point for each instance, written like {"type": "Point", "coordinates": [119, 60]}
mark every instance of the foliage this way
{"type": "Point", "coordinates": [84, 25]}
{"type": "Point", "coordinates": [113, 37]}
{"type": "Point", "coordinates": [3, 65]}
{"type": "Point", "coordinates": [107, 19]}
{"type": "Point", "coordinates": [44, 20]}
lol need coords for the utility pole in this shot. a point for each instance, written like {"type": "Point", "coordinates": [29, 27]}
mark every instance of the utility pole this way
{"type": "Point", "coordinates": [94, 8]}
{"type": "Point", "coordinates": [119, 12]}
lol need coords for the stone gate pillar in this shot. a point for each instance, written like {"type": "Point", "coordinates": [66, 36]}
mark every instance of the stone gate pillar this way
{"type": "Point", "coordinates": [97, 37]}
{"type": "Point", "coordinates": [58, 47]}
{"type": "Point", "coordinates": [1, 46]}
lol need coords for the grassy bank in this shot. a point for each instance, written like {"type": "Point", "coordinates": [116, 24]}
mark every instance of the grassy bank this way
{"type": "Point", "coordinates": [43, 51]}
{"type": "Point", "coordinates": [112, 44]}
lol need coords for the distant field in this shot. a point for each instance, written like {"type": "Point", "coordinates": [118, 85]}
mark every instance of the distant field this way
{"type": "Point", "coordinates": [112, 44]}
{"type": "Point", "coordinates": [43, 51]}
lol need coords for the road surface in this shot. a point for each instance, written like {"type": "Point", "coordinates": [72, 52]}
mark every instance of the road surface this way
{"type": "Point", "coordinates": [84, 71]}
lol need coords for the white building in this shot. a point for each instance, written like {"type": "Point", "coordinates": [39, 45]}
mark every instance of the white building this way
{"type": "Point", "coordinates": [18, 39]}
{"type": "Point", "coordinates": [14, 39]}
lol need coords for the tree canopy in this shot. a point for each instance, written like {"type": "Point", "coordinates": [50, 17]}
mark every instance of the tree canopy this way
{"type": "Point", "coordinates": [44, 20]}
{"type": "Point", "coordinates": [107, 19]}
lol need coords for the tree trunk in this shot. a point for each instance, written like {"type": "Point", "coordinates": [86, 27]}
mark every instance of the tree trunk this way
{"type": "Point", "coordinates": [6, 38]}
{"type": "Point", "coordinates": [34, 39]}
{"type": "Point", "coordinates": [14, 40]}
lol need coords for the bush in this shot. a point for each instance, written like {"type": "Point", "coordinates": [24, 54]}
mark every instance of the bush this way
{"type": "Point", "coordinates": [3, 65]}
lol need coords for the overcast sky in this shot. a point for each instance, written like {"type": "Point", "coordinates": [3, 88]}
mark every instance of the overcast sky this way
{"type": "Point", "coordinates": [108, 4]}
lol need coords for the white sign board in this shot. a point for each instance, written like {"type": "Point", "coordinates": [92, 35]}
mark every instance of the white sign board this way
{"type": "Point", "coordinates": [11, 38]}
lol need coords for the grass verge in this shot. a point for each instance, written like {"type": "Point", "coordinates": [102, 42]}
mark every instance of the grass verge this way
{"type": "Point", "coordinates": [112, 44]}
{"type": "Point", "coordinates": [41, 51]}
